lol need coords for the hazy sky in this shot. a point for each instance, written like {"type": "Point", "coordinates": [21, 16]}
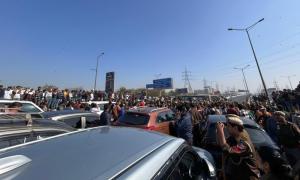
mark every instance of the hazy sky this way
{"type": "Point", "coordinates": [57, 42]}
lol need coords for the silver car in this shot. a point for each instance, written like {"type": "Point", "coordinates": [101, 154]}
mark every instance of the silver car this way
{"type": "Point", "coordinates": [107, 153]}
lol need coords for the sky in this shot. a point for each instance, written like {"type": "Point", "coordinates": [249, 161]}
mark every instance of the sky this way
{"type": "Point", "coordinates": [57, 42]}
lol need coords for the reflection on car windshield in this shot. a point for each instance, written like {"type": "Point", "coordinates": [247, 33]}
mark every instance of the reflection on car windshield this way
{"type": "Point", "coordinates": [257, 136]}
{"type": "Point", "coordinates": [135, 119]}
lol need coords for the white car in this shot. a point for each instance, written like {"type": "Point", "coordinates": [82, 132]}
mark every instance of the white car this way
{"type": "Point", "coordinates": [100, 105]}
{"type": "Point", "coordinates": [27, 106]}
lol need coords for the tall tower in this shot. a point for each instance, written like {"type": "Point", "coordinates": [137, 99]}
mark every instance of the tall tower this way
{"type": "Point", "coordinates": [186, 78]}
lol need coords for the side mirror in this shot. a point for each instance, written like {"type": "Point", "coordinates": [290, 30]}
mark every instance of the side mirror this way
{"type": "Point", "coordinates": [208, 160]}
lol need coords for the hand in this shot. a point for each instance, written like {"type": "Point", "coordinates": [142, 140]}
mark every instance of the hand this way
{"type": "Point", "coordinates": [219, 126]}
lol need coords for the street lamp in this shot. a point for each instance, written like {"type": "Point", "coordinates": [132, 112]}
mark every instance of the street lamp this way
{"type": "Point", "coordinates": [95, 83]}
{"type": "Point", "coordinates": [247, 31]}
{"type": "Point", "coordinates": [245, 81]}
{"type": "Point", "coordinates": [289, 78]}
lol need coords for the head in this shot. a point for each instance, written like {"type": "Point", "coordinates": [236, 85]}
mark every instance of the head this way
{"type": "Point", "coordinates": [15, 107]}
{"type": "Point", "coordinates": [234, 125]}
{"type": "Point", "coordinates": [180, 110]}
{"type": "Point", "coordinates": [106, 107]}
{"type": "Point", "coordinates": [279, 116]}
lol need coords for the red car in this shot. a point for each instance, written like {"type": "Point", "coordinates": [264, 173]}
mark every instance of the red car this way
{"type": "Point", "coordinates": [151, 118]}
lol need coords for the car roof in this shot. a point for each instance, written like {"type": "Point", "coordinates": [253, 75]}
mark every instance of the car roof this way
{"type": "Point", "coordinates": [96, 153]}
{"type": "Point", "coordinates": [222, 118]}
{"type": "Point", "coordinates": [146, 110]}
{"type": "Point", "coordinates": [51, 114]}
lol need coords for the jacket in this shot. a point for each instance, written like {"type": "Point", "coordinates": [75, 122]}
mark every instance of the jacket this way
{"type": "Point", "coordinates": [184, 127]}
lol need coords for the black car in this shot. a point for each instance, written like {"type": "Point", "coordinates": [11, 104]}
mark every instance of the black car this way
{"type": "Point", "coordinates": [258, 136]}
{"type": "Point", "coordinates": [16, 129]}
{"type": "Point", "coordinates": [74, 118]}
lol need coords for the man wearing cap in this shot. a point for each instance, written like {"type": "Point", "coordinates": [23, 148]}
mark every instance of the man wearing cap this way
{"type": "Point", "coordinates": [288, 135]}
{"type": "Point", "coordinates": [238, 151]}
{"type": "Point", "coordinates": [262, 114]}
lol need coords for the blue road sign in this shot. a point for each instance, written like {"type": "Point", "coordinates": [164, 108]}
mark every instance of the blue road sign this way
{"type": "Point", "coordinates": [182, 90]}
{"type": "Point", "coordinates": [166, 83]}
{"type": "Point", "coordinates": [148, 86]}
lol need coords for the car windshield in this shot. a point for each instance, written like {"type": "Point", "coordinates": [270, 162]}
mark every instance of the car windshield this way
{"type": "Point", "coordinates": [135, 119]}
{"type": "Point", "coordinates": [258, 137]}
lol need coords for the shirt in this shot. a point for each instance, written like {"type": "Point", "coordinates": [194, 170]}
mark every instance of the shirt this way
{"type": "Point", "coordinates": [239, 161]}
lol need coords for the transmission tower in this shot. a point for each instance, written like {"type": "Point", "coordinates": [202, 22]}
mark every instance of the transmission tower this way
{"type": "Point", "coordinates": [276, 85]}
{"type": "Point", "coordinates": [186, 78]}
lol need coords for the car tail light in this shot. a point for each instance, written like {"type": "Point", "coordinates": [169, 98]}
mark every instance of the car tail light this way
{"type": "Point", "coordinates": [151, 128]}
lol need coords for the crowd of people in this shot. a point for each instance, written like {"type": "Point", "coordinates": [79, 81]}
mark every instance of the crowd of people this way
{"type": "Point", "coordinates": [239, 156]}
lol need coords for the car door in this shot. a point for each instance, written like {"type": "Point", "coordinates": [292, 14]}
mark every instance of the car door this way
{"type": "Point", "coordinates": [73, 121]}
{"type": "Point", "coordinates": [184, 164]}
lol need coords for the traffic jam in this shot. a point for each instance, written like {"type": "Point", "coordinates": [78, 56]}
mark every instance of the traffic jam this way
{"type": "Point", "coordinates": [149, 90]}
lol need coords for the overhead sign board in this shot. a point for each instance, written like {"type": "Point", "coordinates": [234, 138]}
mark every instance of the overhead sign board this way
{"type": "Point", "coordinates": [166, 83]}
{"type": "Point", "coordinates": [182, 90]}
{"type": "Point", "coordinates": [149, 86]}
{"type": "Point", "coordinates": [110, 81]}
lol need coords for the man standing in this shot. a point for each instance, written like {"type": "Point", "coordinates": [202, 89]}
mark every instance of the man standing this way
{"type": "Point", "coordinates": [238, 150]}
{"type": "Point", "coordinates": [8, 93]}
{"type": "Point", "coordinates": [105, 117]}
{"type": "Point", "coordinates": [288, 135]}
{"type": "Point", "coordinates": [116, 111]}
{"type": "Point", "coordinates": [1, 92]}
{"type": "Point", "coordinates": [183, 126]}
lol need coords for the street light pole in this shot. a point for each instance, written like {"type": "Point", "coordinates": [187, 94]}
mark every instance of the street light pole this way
{"type": "Point", "coordinates": [258, 67]}
{"type": "Point", "coordinates": [245, 81]}
{"type": "Point", "coordinates": [96, 74]}
{"type": "Point", "coordinates": [260, 73]}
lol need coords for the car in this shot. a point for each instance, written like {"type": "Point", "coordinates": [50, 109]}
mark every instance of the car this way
{"type": "Point", "coordinates": [258, 136]}
{"type": "Point", "coordinates": [74, 118]}
{"type": "Point", "coordinates": [27, 106]}
{"type": "Point", "coordinates": [22, 128]}
{"type": "Point", "coordinates": [150, 118]}
{"type": "Point", "coordinates": [100, 105]}
{"type": "Point", "coordinates": [107, 152]}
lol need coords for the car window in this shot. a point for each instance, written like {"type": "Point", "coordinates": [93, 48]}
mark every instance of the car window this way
{"type": "Point", "coordinates": [161, 117]}
{"type": "Point", "coordinates": [46, 134]}
{"type": "Point", "coordinates": [101, 107]}
{"type": "Point", "coordinates": [184, 168]}
{"type": "Point", "coordinates": [91, 120]}
{"type": "Point", "coordinates": [210, 136]}
{"type": "Point", "coordinates": [27, 107]}
{"type": "Point", "coordinates": [170, 115]}
{"type": "Point", "coordinates": [16, 139]}
{"type": "Point", "coordinates": [72, 121]}
{"type": "Point", "coordinates": [135, 119]}
{"type": "Point", "coordinates": [259, 137]}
